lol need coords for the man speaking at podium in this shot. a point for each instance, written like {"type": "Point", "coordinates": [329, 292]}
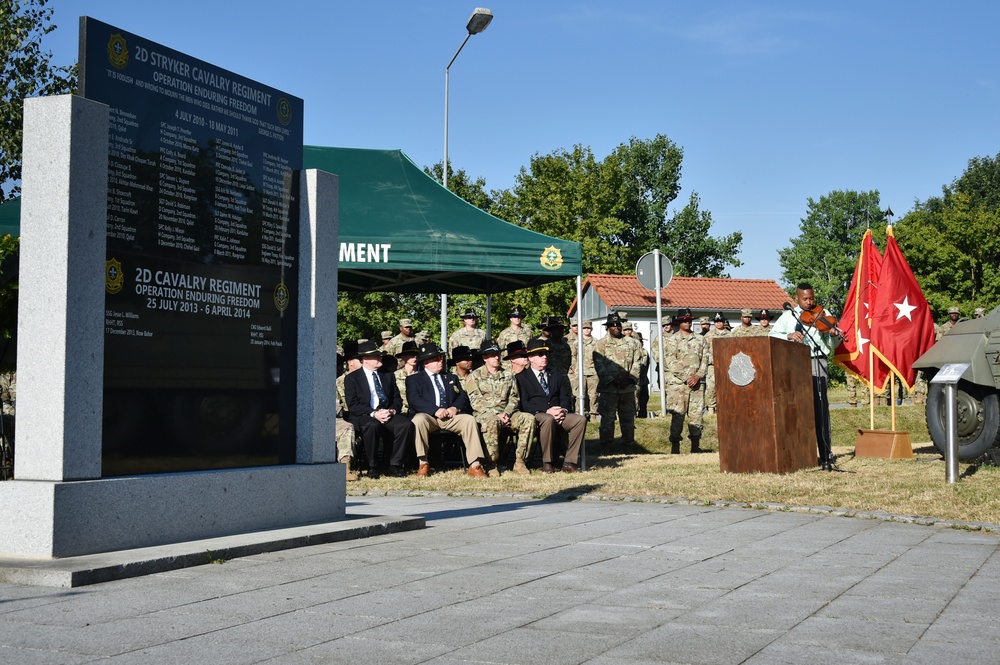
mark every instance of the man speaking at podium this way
{"type": "Point", "coordinates": [790, 327]}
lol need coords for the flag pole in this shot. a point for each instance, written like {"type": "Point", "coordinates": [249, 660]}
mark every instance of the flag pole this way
{"type": "Point", "coordinates": [871, 387]}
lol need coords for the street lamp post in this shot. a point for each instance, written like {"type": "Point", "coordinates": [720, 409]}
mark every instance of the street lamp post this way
{"type": "Point", "coordinates": [478, 22]}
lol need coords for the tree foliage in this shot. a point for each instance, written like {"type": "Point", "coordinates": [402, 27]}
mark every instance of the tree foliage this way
{"type": "Point", "coordinates": [26, 72]}
{"type": "Point", "coordinates": [618, 209]}
{"type": "Point", "coordinates": [826, 251]}
{"type": "Point", "coordinates": [952, 242]}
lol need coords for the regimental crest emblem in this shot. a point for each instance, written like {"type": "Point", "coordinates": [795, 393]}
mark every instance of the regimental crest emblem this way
{"type": "Point", "coordinates": [284, 111]}
{"type": "Point", "coordinates": [117, 51]}
{"type": "Point", "coordinates": [281, 297]}
{"type": "Point", "coordinates": [114, 277]}
{"type": "Point", "coordinates": [551, 258]}
{"type": "Point", "coordinates": [741, 371]}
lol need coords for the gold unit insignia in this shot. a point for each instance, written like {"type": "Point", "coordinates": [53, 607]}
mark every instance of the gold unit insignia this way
{"type": "Point", "coordinates": [117, 51]}
{"type": "Point", "coordinates": [114, 278]}
{"type": "Point", "coordinates": [551, 258]}
{"type": "Point", "coordinates": [281, 297]}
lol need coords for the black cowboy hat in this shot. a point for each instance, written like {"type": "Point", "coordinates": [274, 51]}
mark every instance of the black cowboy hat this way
{"type": "Point", "coordinates": [536, 346]}
{"type": "Point", "coordinates": [516, 313]}
{"type": "Point", "coordinates": [614, 321]}
{"type": "Point", "coordinates": [429, 350]}
{"type": "Point", "coordinates": [488, 346]}
{"type": "Point", "coordinates": [516, 349]}
{"type": "Point", "coordinates": [469, 313]}
{"type": "Point", "coordinates": [409, 349]}
{"type": "Point", "coordinates": [460, 353]}
{"type": "Point", "coordinates": [369, 348]}
{"type": "Point", "coordinates": [684, 314]}
{"type": "Point", "coordinates": [552, 322]}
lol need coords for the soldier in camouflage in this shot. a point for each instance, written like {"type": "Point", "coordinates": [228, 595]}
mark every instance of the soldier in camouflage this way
{"type": "Point", "coordinates": [746, 327]}
{"type": "Point", "coordinates": [954, 314]}
{"type": "Point", "coordinates": [617, 361]}
{"type": "Point", "coordinates": [764, 319]}
{"type": "Point", "coordinates": [642, 394]}
{"type": "Point", "coordinates": [718, 331]}
{"type": "Point", "coordinates": [494, 396]}
{"type": "Point", "coordinates": [515, 332]}
{"type": "Point", "coordinates": [407, 359]}
{"type": "Point", "coordinates": [469, 336]}
{"type": "Point", "coordinates": [589, 373]}
{"type": "Point", "coordinates": [686, 363]}
{"type": "Point", "coordinates": [857, 392]}
{"type": "Point", "coordinates": [706, 325]}
{"type": "Point", "coordinates": [405, 335]}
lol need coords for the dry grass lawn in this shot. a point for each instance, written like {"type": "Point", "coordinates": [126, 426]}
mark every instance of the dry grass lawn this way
{"type": "Point", "coordinates": [908, 487]}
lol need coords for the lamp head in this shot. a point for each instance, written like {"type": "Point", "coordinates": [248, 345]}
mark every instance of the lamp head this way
{"type": "Point", "coordinates": [479, 20]}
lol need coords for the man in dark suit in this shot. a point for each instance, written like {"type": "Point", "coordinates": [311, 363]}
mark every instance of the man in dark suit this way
{"type": "Point", "coordinates": [437, 402]}
{"type": "Point", "coordinates": [375, 404]}
{"type": "Point", "coordinates": [547, 396]}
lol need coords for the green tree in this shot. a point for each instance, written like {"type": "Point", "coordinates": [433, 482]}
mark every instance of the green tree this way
{"type": "Point", "coordinates": [463, 186]}
{"type": "Point", "coordinates": [952, 242]}
{"type": "Point", "coordinates": [618, 210]}
{"type": "Point", "coordinates": [26, 72]}
{"type": "Point", "coordinates": [826, 251]}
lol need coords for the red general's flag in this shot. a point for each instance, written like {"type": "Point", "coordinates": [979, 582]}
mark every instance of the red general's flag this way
{"type": "Point", "coordinates": [903, 327]}
{"type": "Point", "coordinates": [852, 352]}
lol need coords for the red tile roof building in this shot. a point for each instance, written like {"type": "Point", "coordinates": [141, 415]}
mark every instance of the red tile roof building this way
{"type": "Point", "coordinates": [704, 295]}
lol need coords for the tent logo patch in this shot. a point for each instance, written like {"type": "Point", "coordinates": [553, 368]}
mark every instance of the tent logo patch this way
{"type": "Point", "coordinates": [551, 258]}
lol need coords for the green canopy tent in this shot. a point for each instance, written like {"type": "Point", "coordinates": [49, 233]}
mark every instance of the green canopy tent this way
{"type": "Point", "coordinates": [434, 241]}
{"type": "Point", "coordinates": [400, 230]}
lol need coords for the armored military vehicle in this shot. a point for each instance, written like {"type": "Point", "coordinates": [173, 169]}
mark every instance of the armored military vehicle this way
{"type": "Point", "coordinates": [976, 341]}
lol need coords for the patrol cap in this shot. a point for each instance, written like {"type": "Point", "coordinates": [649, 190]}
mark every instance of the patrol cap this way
{"type": "Point", "coordinates": [405, 323]}
{"type": "Point", "coordinates": [516, 313]}
{"type": "Point", "coordinates": [704, 319]}
{"type": "Point", "coordinates": [667, 320]}
{"type": "Point", "coordinates": [588, 325]}
{"type": "Point", "coordinates": [746, 313]}
{"type": "Point", "coordinates": [386, 334]}
{"type": "Point", "coordinates": [627, 326]}
{"type": "Point", "coordinates": [954, 310]}
{"type": "Point", "coordinates": [623, 316]}
{"type": "Point", "coordinates": [469, 313]}
{"type": "Point", "coordinates": [683, 314]}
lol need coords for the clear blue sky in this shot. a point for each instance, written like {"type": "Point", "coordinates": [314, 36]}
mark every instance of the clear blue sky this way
{"type": "Point", "coordinates": [773, 102]}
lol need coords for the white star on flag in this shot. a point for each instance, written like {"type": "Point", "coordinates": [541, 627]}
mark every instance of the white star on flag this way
{"type": "Point", "coordinates": [904, 308]}
{"type": "Point", "coordinates": [861, 343]}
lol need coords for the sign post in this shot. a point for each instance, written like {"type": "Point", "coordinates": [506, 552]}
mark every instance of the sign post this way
{"type": "Point", "coordinates": [654, 271]}
{"type": "Point", "coordinates": [949, 375]}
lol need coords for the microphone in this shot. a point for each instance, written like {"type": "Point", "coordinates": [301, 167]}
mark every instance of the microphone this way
{"type": "Point", "coordinates": [787, 305]}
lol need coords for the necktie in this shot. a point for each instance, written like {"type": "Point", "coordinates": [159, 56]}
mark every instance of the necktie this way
{"type": "Point", "coordinates": [378, 391]}
{"type": "Point", "coordinates": [544, 383]}
{"type": "Point", "coordinates": [442, 401]}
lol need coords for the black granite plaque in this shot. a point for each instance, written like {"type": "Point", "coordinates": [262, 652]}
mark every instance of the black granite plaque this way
{"type": "Point", "coordinates": [202, 235]}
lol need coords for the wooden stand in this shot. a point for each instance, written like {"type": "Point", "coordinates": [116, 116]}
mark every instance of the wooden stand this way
{"type": "Point", "coordinates": [766, 425]}
{"type": "Point", "coordinates": [883, 443]}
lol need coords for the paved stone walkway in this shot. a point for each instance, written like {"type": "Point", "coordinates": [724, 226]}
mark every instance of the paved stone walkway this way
{"type": "Point", "coordinates": [494, 580]}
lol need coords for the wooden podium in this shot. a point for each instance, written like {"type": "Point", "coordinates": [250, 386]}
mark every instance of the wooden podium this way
{"type": "Point", "coordinates": [764, 398]}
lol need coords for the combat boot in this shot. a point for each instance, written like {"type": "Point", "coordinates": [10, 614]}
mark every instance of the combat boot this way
{"type": "Point", "coordinates": [675, 447]}
{"type": "Point", "coordinates": [696, 446]}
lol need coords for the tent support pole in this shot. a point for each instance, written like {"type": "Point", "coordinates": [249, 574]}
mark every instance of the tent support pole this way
{"type": "Point", "coordinates": [581, 395]}
{"type": "Point", "coordinates": [444, 320]}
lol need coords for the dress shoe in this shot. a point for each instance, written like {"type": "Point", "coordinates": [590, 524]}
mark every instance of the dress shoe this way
{"type": "Point", "coordinates": [520, 468]}
{"type": "Point", "coordinates": [424, 470]}
{"type": "Point", "coordinates": [373, 474]}
{"type": "Point", "coordinates": [397, 472]}
{"type": "Point", "coordinates": [477, 471]}
{"type": "Point", "coordinates": [548, 468]}
{"type": "Point", "coordinates": [569, 467]}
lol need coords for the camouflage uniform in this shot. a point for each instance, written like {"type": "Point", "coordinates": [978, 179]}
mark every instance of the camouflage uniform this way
{"type": "Point", "coordinates": [710, 337]}
{"type": "Point", "coordinates": [345, 430]}
{"type": "Point", "coordinates": [508, 335]}
{"type": "Point", "coordinates": [8, 396]}
{"type": "Point", "coordinates": [744, 331]}
{"type": "Point", "coordinates": [396, 343]}
{"type": "Point", "coordinates": [686, 356]}
{"type": "Point", "coordinates": [857, 392]}
{"type": "Point", "coordinates": [463, 337]}
{"type": "Point", "coordinates": [400, 376]}
{"type": "Point", "coordinates": [762, 331]}
{"type": "Point", "coordinates": [589, 375]}
{"type": "Point", "coordinates": [492, 394]}
{"type": "Point", "coordinates": [617, 361]}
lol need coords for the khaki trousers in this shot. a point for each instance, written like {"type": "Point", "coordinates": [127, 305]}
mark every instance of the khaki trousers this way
{"type": "Point", "coordinates": [463, 424]}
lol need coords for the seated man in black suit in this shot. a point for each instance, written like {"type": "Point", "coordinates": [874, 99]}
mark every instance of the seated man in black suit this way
{"type": "Point", "coordinates": [437, 401]}
{"type": "Point", "coordinates": [375, 404]}
{"type": "Point", "coordinates": [547, 395]}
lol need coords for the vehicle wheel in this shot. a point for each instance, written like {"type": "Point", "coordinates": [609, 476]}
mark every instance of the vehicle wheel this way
{"type": "Point", "coordinates": [213, 423]}
{"type": "Point", "coordinates": [978, 415]}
